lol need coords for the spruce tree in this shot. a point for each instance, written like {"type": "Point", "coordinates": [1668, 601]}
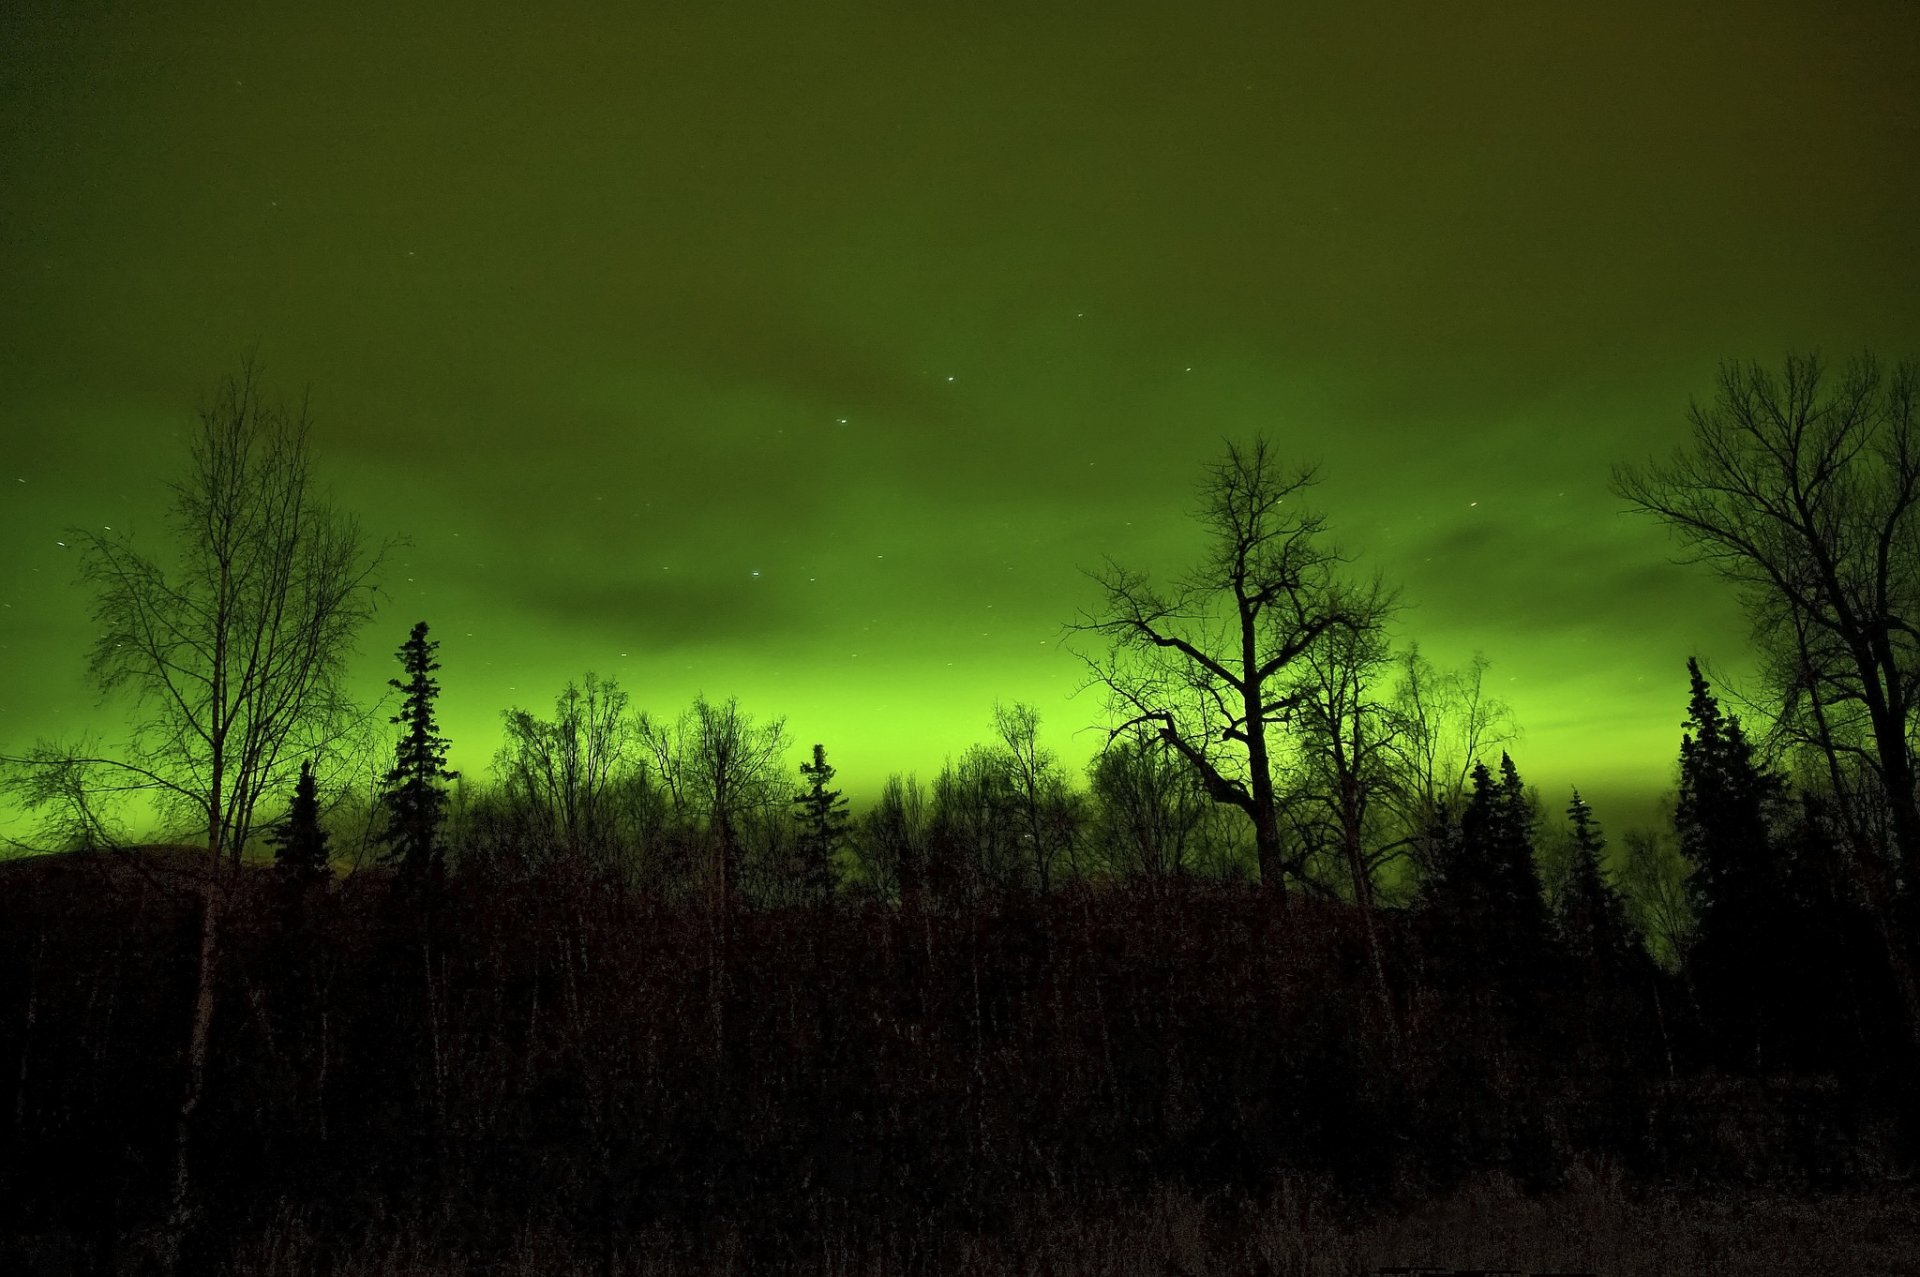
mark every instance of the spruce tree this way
{"type": "Point", "coordinates": [1521, 904]}
{"type": "Point", "coordinates": [415, 797]}
{"type": "Point", "coordinates": [1738, 886]}
{"type": "Point", "coordinates": [1592, 916]}
{"type": "Point", "coordinates": [300, 845]}
{"type": "Point", "coordinates": [1489, 898]}
{"type": "Point", "coordinates": [1469, 883]}
{"type": "Point", "coordinates": [823, 825]}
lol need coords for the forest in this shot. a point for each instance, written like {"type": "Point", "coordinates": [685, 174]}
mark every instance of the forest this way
{"type": "Point", "coordinates": [1300, 956]}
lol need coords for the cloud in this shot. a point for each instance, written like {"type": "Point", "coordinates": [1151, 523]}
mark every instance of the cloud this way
{"type": "Point", "coordinates": [668, 610]}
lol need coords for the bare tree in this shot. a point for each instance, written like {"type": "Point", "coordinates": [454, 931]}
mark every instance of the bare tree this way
{"type": "Point", "coordinates": [233, 656]}
{"type": "Point", "coordinates": [1803, 493]}
{"type": "Point", "coordinates": [724, 772]}
{"type": "Point", "coordinates": [974, 830]}
{"type": "Point", "coordinates": [1444, 723]}
{"type": "Point", "coordinates": [234, 653]}
{"type": "Point", "coordinates": [1653, 881]}
{"type": "Point", "coordinates": [1347, 732]}
{"type": "Point", "coordinates": [564, 773]}
{"type": "Point", "coordinates": [1041, 796]}
{"type": "Point", "coordinates": [1148, 806]}
{"type": "Point", "coordinates": [890, 846]}
{"type": "Point", "coordinates": [75, 793]}
{"type": "Point", "coordinates": [1204, 664]}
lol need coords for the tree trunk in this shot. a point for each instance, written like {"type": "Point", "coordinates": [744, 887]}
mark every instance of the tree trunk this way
{"type": "Point", "coordinates": [1266, 846]}
{"type": "Point", "coordinates": [1266, 818]}
{"type": "Point", "coordinates": [199, 1026]}
{"type": "Point", "coordinates": [1363, 900]}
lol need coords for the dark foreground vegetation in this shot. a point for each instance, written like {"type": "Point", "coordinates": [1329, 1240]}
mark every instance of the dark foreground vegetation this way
{"type": "Point", "coordinates": [553, 1072]}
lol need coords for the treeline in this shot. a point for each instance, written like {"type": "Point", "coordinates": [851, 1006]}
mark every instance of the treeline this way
{"type": "Point", "coordinates": [1302, 916]}
{"type": "Point", "coordinates": [1748, 907]}
{"type": "Point", "coordinates": [617, 1006]}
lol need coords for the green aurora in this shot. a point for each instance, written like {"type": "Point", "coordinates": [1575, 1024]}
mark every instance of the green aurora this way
{"type": "Point", "coordinates": [808, 352]}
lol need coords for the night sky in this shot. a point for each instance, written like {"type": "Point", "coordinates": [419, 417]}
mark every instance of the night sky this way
{"type": "Point", "coordinates": [808, 351]}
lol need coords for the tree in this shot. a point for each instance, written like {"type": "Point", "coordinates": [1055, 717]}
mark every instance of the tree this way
{"type": "Point", "coordinates": [1723, 819]}
{"type": "Point", "coordinates": [234, 653]}
{"type": "Point", "coordinates": [562, 774]}
{"type": "Point", "coordinates": [414, 794]}
{"type": "Point", "coordinates": [823, 825]}
{"type": "Point", "coordinates": [974, 829]}
{"type": "Point", "coordinates": [1488, 892]}
{"type": "Point", "coordinates": [1804, 495]}
{"type": "Point", "coordinates": [300, 844]}
{"type": "Point", "coordinates": [1724, 814]}
{"type": "Point", "coordinates": [1147, 807]}
{"type": "Point", "coordinates": [1204, 664]}
{"type": "Point", "coordinates": [721, 772]}
{"type": "Point", "coordinates": [1043, 804]}
{"type": "Point", "coordinates": [1653, 883]}
{"type": "Point", "coordinates": [1348, 735]}
{"type": "Point", "coordinates": [1443, 722]}
{"type": "Point", "coordinates": [891, 850]}
{"type": "Point", "coordinates": [1590, 913]}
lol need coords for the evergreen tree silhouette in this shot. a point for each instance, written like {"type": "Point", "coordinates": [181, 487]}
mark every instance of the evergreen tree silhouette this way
{"type": "Point", "coordinates": [300, 845]}
{"type": "Point", "coordinates": [1493, 913]}
{"type": "Point", "coordinates": [414, 796]}
{"type": "Point", "coordinates": [1592, 915]}
{"type": "Point", "coordinates": [823, 825]}
{"type": "Point", "coordinates": [1738, 886]}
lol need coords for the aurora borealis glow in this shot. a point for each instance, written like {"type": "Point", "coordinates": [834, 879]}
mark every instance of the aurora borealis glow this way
{"type": "Point", "coordinates": [806, 353]}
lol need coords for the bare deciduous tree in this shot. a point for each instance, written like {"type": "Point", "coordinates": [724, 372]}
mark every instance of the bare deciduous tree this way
{"type": "Point", "coordinates": [725, 772]}
{"type": "Point", "coordinates": [1041, 796]}
{"type": "Point", "coordinates": [1802, 491]}
{"type": "Point", "coordinates": [1445, 722]}
{"type": "Point", "coordinates": [233, 656]}
{"type": "Point", "coordinates": [1347, 732]}
{"type": "Point", "coordinates": [1148, 806]}
{"type": "Point", "coordinates": [234, 652]}
{"type": "Point", "coordinates": [1204, 664]}
{"type": "Point", "coordinates": [564, 772]}
{"type": "Point", "coordinates": [890, 846]}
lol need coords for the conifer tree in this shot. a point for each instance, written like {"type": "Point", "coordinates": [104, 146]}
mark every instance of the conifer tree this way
{"type": "Point", "coordinates": [414, 797]}
{"type": "Point", "coordinates": [823, 825]}
{"type": "Point", "coordinates": [1726, 799]}
{"type": "Point", "coordinates": [1489, 889]}
{"type": "Point", "coordinates": [1738, 885]}
{"type": "Point", "coordinates": [1521, 903]}
{"type": "Point", "coordinates": [1592, 915]}
{"type": "Point", "coordinates": [300, 845]}
{"type": "Point", "coordinates": [1468, 885]}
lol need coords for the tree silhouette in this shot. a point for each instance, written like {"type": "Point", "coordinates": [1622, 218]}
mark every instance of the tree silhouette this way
{"type": "Point", "coordinates": [1349, 743]}
{"type": "Point", "coordinates": [974, 829]}
{"type": "Point", "coordinates": [892, 845]}
{"type": "Point", "coordinates": [721, 771]}
{"type": "Point", "coordinates": [1147, 807]}
{"type": "Point", "coordinates": [1724, 820]}
{"type": "Point", "coordinates": [1590, 913]}
{"type": "Point", "coordinates": [415, 798]}
{"type": "Point", "coordinates": [1489, 890]}
{"type": "Point", "coordinates": [1443, 722]}
{"type": "Point", "coordinates": [1807, 497]}
{"type": "Point", "coordinates": [300, 844]}
{"type": "Point", "coordinates": [823, 825]}
{"type": "Point", "coordinates": [561, 774]}
{"type": "Point", "coordinates": [1204, 665]}
{"type": "Point", "coordinates": [1046, 809]}
{"type": "Point", "coordinates": [235, 654]}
